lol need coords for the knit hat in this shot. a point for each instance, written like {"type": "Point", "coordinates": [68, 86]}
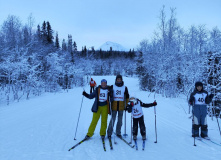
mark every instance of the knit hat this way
{"type": "Point", "coordinates": [198, 84]}
{"type": "Point", "coordinates": [133, 98]}
{"type": "Point", "coordinates": [104, 80]}
{"type": "Point", "coordinates": [119, 76]}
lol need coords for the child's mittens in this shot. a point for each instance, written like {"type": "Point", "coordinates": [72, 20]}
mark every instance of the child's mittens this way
{"type": "Point", "coordinates": [129, 108]}
{"type": "Point", "coordinates": [154, 103]}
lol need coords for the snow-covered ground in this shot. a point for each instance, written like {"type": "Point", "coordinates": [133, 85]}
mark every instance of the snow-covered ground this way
{"type": "Point", "coordinates": [43, 128]}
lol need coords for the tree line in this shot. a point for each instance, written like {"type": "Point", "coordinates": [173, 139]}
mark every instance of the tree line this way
{"type": "Point", "coordinates": [174, 59]}
{"type": "Point", "coordinates": [33, 61]}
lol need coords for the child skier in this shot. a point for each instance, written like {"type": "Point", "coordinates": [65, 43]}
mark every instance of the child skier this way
{"type": "Point", "coordinates": [199, 99]}
{"type": "Point", "coordinates": [135, 106]}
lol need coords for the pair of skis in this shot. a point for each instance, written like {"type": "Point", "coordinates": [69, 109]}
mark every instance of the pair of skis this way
{"type": "Point", "coordinates": [203, 140]}
{"type": "Point", "coordinates": [143, 145]}
{"type": "Point", "coordinates": [103, 142]}
{"type": "Point", "coordinates": [110, 143]}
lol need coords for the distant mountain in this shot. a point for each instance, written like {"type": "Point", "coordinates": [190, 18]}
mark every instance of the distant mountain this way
{"type": "Point", "coordinates": [115, 46]}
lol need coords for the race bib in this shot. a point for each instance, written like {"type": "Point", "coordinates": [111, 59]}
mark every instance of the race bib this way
{"type": "Point", "coordinates": [137, 111]}
{"type": "Point", "coordinates": [103, 95]}
{"type": "Point", "coordinates": [118, 93]}
{"type": "Point", "coordinates": [200, 98]}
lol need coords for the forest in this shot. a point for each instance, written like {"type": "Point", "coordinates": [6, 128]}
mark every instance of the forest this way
{"type": "Point", "coordinates": [34, 61]}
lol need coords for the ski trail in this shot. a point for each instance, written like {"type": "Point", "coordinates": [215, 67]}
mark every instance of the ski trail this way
{"type": "Point", "coordinates": [43, 128]}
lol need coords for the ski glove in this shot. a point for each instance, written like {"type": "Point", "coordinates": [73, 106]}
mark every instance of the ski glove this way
{"type": "Point", "coordinates": [211, 96]}
{"type": "Point", "coordinates": [191, 100]}
{"type": "Point", "coordinates": [154, 103]}
{"type": "Point", "coordinates": [84, 93]}
{"type": "Point", "coordinates": [129, 108]}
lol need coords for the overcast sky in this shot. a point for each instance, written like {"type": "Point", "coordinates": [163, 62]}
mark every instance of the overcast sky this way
{"type": "Point", "coordinates": [127, 22]}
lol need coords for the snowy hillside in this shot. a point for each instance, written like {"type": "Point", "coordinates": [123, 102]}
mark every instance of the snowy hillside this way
{"type": "Point", "coordinates": [43, 128]}
{"type": "Point", "coordinates": [115, 47]}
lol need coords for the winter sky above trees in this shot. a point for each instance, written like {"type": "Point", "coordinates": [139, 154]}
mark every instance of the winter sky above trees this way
{"type": "Point", "coordinates": [180, 51]}
{"type": "Point", "coordinates": [127, 22]}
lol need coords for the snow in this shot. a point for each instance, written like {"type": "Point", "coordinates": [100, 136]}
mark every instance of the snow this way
{"type": "Point", "coordinates": [115, 46]}
{"type": "Point", "coordinates": [43, 128]}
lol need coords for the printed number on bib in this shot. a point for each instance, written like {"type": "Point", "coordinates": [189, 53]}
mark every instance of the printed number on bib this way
{"type": "Point", "coordinates": [102, 95]}
{"type": "Point", "coordinates": [118, 92]}
{"type": "Point", "coordinates": [136, 110]}
{"type": "Point", "coordinates": [201, 100]}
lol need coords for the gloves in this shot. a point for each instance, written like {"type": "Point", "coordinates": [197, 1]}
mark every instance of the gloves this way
{"type": "Point", "coordinates": [84, 93]}
{"type": "Point", "coordinates": [128, 108]}
{"type": "Point", "coordinates": [154, 103]}
{"type": "Point", "coordinates": [211, 96]}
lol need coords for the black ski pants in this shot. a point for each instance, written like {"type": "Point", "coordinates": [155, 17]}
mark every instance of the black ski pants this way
{"type": "Point", "coordinates": [92, 89]}
{"type": "Point", "coordinates": [141, 124]}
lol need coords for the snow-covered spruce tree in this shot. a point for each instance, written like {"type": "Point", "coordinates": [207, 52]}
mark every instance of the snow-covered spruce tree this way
{"type": "Point", "coordinates": [44, 32]}
{"type": "Point", "coordinates": [49, 32]}
{"type": "Point", "coordinates": [64, 45]}
{"type": "Point", "coordinates": [70, 48]}
{"type": "Point", "coordinates": [75, 51]}
{"type": "Point", "coordinates": [57, 44]}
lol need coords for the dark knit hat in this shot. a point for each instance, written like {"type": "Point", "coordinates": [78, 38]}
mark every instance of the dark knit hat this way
{"type": "Point", "coordinates": [198, 84]}
{"type": "Point", "coordinates": [119, 76]}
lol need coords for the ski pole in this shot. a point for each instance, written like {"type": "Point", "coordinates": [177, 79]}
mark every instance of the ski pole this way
{"type": "Point", "coordinates": [125, 134]}
{"type": "Point", "coordinates": [155, 124]}
{"type": "Point", "coordinates": [78, 118]}
{"type": "Point", "coordinates": [112, 123]}
{"type": "Point", "coordinates": [194, 131]}
{"type": "Point", "coordinates": [155, 119]}
{"type": "Point", "coordinates": [131, 128]}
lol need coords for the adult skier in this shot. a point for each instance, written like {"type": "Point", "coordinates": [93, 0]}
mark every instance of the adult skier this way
{"type": "Point", "coordinates": [92, 85]}
{"type": "Point", "coordinates": [103, 96]}
{"type": "Point", "coordinates": [120, 99]}
{"type": "Point", "coordinates": [135, 106]}
{"type": "Point", "coordinates": [199, 99]}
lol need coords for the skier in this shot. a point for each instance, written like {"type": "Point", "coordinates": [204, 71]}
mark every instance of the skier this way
{"type": "Point", "coordinates": [92, 85]}
{"type": "Point", "coordinates": [199, 99]}
{"type": "Point", "coordinates": [135, 106]}
{"type": "Point", "coordinates": [121, 98]}
{"type": "Point", "coordinates": [103, 96]}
